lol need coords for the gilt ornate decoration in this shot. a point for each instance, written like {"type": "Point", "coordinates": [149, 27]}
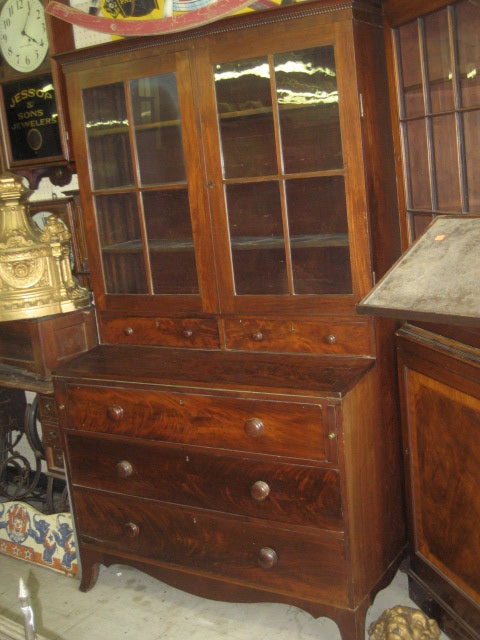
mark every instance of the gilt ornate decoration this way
{"type": "Point", "coordinates": [404, 623]}
{"type": "Point", "coordinates": [35, 273]}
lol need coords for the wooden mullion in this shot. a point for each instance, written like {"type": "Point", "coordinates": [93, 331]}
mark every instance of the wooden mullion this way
{"type": "Point", "coordinates": [462, 164]}
{"type": "Point", "coordinates": [281, 176]}
{"type": "Point", "coordinates": [432, 171]}
{"type": "Point", "coordinates": [137, 180]}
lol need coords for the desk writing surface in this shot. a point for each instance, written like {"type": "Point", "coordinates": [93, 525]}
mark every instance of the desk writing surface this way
{"type": "Point", "coordinates": [436, 279]}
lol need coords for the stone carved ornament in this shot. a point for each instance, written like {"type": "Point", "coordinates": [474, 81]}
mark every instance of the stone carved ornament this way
{"type": "Point", "coordinates": [404, 623]}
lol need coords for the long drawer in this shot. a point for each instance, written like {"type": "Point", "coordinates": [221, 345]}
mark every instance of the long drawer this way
{"type": "Point", "coordinates": [242, 551]}
{"type": "Point", "coordinates": [197, 477]}
{"type": "Point", "coordinates": [263, 426]}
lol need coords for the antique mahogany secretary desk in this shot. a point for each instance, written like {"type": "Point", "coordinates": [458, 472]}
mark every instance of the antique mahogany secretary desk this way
{"type": "Point", "coordinates": [236, 432]}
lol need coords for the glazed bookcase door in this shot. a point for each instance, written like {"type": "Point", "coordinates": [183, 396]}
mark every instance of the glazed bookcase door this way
{"type": "Point", "coordinates": [279, 178]}
{"type": "Point", "coordinates": [143, 172]}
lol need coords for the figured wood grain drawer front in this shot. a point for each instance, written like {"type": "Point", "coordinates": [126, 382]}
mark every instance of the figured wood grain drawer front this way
{"type": "Point", "coordinates": [282, 428]}
{"type": "Point", "coordinates": [246, 552]}
{"type": "Point", "coordinates": [331, 336]}
{"type": "Point", "coordinates": [196, 477]}
{"type": "Point", "coordinates": [169, 332]}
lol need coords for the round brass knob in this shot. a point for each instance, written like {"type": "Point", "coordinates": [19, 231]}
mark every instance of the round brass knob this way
{"type": "Point", "coordinates": [267, 558]}
{"type": "Point", "coordinates": [253, 427]}
{"type": "Point", "coordinates": [124, 469]}
{"type": "Point", "coordinates": [115, 412]}
{"type": "Point", "coordinates": [128, 331]}
{"type": "Point", "coordinates": [259, 490]}
{"type": "Point", "coordinates": [187, 333]}
{"type": "Point", "coordinates": [257, 336]}
{"type": "Point", "coordinates": [331, 338]}
{"type": "Point", "coordinates": [131, 529]}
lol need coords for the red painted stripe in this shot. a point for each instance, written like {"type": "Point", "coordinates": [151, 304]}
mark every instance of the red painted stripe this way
{"type": "Point", "coordinates": [146, 27]}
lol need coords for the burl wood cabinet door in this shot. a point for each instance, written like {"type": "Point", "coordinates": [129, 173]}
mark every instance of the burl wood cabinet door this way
{"type": "Point", "coordinates": [444, 433]}
{"type": "Point", "coordinates": [441, 430]}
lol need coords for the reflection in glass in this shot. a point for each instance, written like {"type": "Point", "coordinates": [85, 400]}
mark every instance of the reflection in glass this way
{"type": "Point", "coordinates": [170, 242]}
{"type": "Point", "coordinates": [446, 163]}
{"type": "Point", "coordinates": [417, 163]}
{"type": "Point", "coordinates": [257, 239]}
{"type": "Point", "coordinates": [440, 75]}
{"type": "Point", "coordinates": [411, 70]}
{"type": "Point", "coordinates": [468, 44]}
{"type": "Point", "coordinates": [471, 123]}
{"type": "Point", "coordinates": [307, 96]}
{"type": "Point", "coordinates": [318, 225]}
{"type": "Point", "coordinates": [107, 136]}
{"type": "Point", "coordinates": [244, 105]}
{"type": "Point", "coordinates": [121, 243]}
{"type": "Point", "coordinates": [157, 129]}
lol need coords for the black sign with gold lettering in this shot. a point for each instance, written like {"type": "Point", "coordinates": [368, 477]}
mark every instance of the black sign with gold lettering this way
{"type": "Point", "coordinates": [32, 118]}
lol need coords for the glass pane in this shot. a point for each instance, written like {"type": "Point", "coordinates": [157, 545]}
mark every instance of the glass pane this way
{"type": "Point", "coordinates": [157, 129]}
{"type": "Point", "coordinates": [256, 233]}
{"type": "Point", "coordinates": [121, 243]}
{"type": "Point", "coordinates": [244, 105]}
{"type": "Point", "coordinates": [411, 70]}
{"type": "Point", "coordinates": [417, 165]}
{"type": "Point", "coordinates": [439, 61]}
{"type": "Point", "coordinates": [471, 123]}
{"type": "Point", "coordinates": [419, 223]}
{"type": "Point", "coordinates": [468, 43]}
{"type": "Point", "coordinates": [319, 235]}
{"type": "Point", "coordinates": [107, 136]}
{"type": "Point", "coordinates": [307, 95]}
{"type": "Point", "coordinates": [170, 242]}
{"type": "Point", "coordinates": [446, 163]}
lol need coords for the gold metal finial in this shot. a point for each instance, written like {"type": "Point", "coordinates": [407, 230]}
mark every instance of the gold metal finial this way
{"type": "Point", "coordinates": [404, 623]}
{"type": "Point", "coordinates": [35, 273]}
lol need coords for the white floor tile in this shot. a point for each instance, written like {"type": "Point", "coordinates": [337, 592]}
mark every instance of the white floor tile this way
{"type": "Point", "coordinates": [128, 604]}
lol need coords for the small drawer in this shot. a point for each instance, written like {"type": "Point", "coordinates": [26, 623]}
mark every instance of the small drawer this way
{"type": "Point", "coordinates": [51, 434]}
{"type": "Point", "coordinates": [196, 477]}
{"type": "Point", "coordinates": [299, 430]}
{"type": "Point", "coordinates": [250, 553]}
{"type": "Point", "coordinates": [169, 332]}
{"type": "Point", "coordinates": [329, 336]}
{"type": "Point", "coordinates": [47, 408]}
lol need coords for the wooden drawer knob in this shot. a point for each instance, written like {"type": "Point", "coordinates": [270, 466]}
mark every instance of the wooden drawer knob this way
{"type": "Point", "coordinates": [128, 331]}
{"type": "Point", "coordinates": [257, 336]}
{"type": "Point", "coordinates": [187, 333]}
{"type": "Point", "coordinates": [267, 558]}
{"type": "Point", "coordinates": [131, 529]}
{"type": "Point", "coordinates": [253, 427]}
{"type": "Point", "coordinates": [115, 412]}
{"type": "Point", "coordinates": [124, 469]}
{"type": "Point", "coordinates": [331, 338]}
{"type": "Point", "coordinates": [259, 490]}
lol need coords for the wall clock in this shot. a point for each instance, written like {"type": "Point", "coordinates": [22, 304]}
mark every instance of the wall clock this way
{"type": "Point", "coordinates": [23, 34]}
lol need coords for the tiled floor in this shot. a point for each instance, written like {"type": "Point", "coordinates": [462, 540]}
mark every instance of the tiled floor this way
{"type": "Point", "coordinates": [128, 604]}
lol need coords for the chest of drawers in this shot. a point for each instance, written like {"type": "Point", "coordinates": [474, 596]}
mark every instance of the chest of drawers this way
{"type": "Point", "coordinates": [276, 483]}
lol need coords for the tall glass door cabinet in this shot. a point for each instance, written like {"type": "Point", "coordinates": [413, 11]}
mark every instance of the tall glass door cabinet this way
{"type": "Point", "coordinates": [239, 196]}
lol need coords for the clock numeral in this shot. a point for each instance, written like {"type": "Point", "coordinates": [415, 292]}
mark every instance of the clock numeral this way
{"type": "Point", "coordinates": [19, 5]}
{"type": "Point", "coordinates": [10, 11]}
{"type": "Point", "coordinates": [6, 23]}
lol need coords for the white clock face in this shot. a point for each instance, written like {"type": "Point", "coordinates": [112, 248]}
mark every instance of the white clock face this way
{"type": "Point", "coordinates": [23, 34]}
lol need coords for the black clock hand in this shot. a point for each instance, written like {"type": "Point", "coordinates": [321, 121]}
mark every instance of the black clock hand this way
{"type": "Point", "coordinates": [26, 19]}
{"type": "Point", "coordinates": [40, 44]}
